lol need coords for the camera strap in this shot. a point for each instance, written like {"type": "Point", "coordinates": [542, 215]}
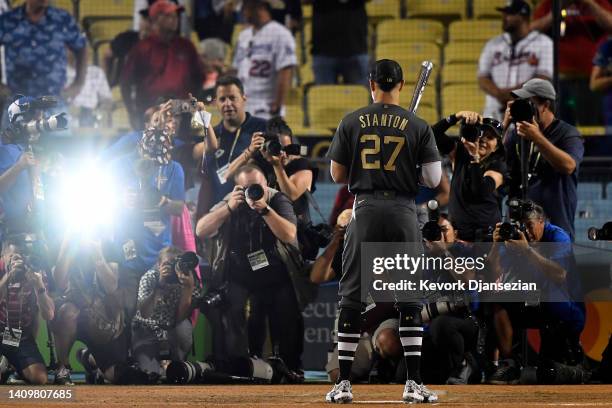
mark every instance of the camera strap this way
{"type": "Point", "coordinates": [315, 205]}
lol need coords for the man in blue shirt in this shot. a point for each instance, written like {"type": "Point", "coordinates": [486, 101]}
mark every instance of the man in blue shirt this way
{"type": "Point", "coordinates": [239, 140]}
{"type": "Point", "coordinates": [152, 186]}
{"type": "Point", "coordinates": [551, 266]}
{"type": "Point", "coordinates": [554, 153]}
{"type": "Point", "coordinates": [35, 37]}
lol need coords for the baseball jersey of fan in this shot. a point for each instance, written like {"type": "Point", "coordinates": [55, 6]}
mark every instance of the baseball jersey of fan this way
{"type": "Point", "coordinates": [509, 66]}
{"type": "Point", "coordinates": [260, 55]}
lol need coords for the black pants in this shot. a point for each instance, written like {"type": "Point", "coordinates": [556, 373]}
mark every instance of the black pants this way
{"type": "Point", "coordinates": [278, 307]}
{"type": "Point", "coordinates": [444, 349]}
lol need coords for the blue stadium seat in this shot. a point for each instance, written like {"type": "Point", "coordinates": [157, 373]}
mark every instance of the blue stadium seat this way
{"type": "Point", "coordinates": [589, 191]}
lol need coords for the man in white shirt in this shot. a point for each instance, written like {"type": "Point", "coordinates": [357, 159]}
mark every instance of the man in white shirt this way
{"type": "Point", "coordinates": [265, 57]}
{"type": "Point", "coordinates": [511, 59]}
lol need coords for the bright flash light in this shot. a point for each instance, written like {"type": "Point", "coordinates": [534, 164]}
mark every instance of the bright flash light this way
{"type": "Point", "coordinates": [88, 199]}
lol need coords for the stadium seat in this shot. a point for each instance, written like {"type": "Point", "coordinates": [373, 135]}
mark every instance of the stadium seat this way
{"type": "Point", "coordinates": [294, 116]}
{"type": "Point", "coordinates": [428, 114]}
{"type": "Point", "coordinates": [96, 8]}
{"type": "Point", "coordinates": [295, 97]}
{"type": "Point", "coordinates": [327, 104]}
{"type": "Point", "coordinates": [419, 51]}
{"type": "Point", "coordinates": [307, 11]}
{"type": "Point", "coordinates": [459, 74]}
{"type": "Point", "coordinates": [589, 191]}
{"type": "Point", "coordinates": [487, 8]}
{"type": "Point", "coordinates": [462, 97]}
{"type": "Point", "coordinates": [383, 9]}
{"type": "Point", "coordinates": [445, 10]}
{"type": "Point", "coordinates": [306, 74]}
{"type": "Point", "coordinates": [461, 53]}
{"type": "Point", "coordinates": [108, 29]}
{"type": "Point", "coordinates": [429, 97]}
{"type": "Point", "coordinates": [307, 29]}
{"type": "Point", "coordinates": [474, 30]}
{"type": "Point", "coordinates": [414, 30]}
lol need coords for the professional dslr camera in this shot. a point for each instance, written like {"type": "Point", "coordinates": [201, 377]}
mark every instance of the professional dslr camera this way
{"type": "Point", "coordinates": [472, 133]}
{"type": "Point", "coordinates": [602, 234]}
{"type": "Point", "coordinates": [183, 264]}
{"type": "Point", "coordinates": [26, 125]}
{"type": "Point", "coordinates": [431, 230]}
{"type": "Point", "coordinates": [522, 110]}
{"type": "Point", "coordinates": [274, 148]}
{"type": "Point", "coordinates": [517, 211]}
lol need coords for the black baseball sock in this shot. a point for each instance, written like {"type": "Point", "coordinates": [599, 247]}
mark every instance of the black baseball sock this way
{"type": "Point", "coordinates": [411, 336]}
{"type": "Point", "coordinates": [348, 339]}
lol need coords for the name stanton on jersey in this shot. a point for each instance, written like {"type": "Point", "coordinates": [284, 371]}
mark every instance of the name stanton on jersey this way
{"type": "Point", "coordinates": [384, 119]}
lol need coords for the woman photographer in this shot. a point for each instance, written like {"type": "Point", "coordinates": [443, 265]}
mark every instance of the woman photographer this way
{"type": "Point", "coordinates": [293, 175]}
{"type": "Point", "coordinates": [479, 168]}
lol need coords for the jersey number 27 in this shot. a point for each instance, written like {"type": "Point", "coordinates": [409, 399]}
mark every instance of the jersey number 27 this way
{"type": "Point", "coordinates": [370, 164]}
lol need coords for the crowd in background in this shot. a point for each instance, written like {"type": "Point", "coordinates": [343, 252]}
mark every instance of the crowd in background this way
{"type": "Point", "coordinates": [133, 295]}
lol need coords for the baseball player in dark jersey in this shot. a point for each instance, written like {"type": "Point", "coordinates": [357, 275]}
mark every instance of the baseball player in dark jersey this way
{"type": "Point", "coordinates": [376, 151]}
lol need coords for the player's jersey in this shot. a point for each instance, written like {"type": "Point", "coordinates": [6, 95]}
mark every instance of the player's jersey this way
{"type": "Point", "coordinates": [259, 57]}
{"type": "Point", "coordinates": [510, 66]}
{"type": "Point", "coordinates": [382, 145]}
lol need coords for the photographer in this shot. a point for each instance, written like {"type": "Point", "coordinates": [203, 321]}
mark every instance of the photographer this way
{"type": "Point", "coordinates": [90, 307]}
{"type": "Point", "coordinates": [553, 152]}
{"type": "Point", "coordinates": [23, 297]}
{"type": "Point", "coordinates": [166, 297]}
{"type": "Point", "coordinates": [520, 255]}
{"type": "Point", "coordinates": [294, 176]}
{"type": "Point", "coordinates": [479, 169]}
{"type": "Point", "coordinates": [252, 225]}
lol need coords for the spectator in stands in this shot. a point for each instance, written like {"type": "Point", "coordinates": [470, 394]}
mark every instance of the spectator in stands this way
{"type": "Point", "coordinates": [339, 41]}
{"type": "Point", "coordinates": [35, 37]}
{"type": "Point", "coordinates": [555, 149]}
{"type": "Point", "coordinates": [511, 59]}
{"type": "Point", "coordinates": [166, 297]}
{"type": "Point", "coordinates": [601, 81]}
{"type": "Point", "coordinates": [216, 19]}
{"type": "Point", "coordinates": [161, 66]}
{"type": "Point", "coordinates": [586, 24]}
{"type": "Point", "coordinates": [120, 46]}
{"type": "Point", "coordinates": [479, 169]}
{"type": "Point", "coordinates": [94, 102]}
{"type": "Point", "coordinates": [237, 143]}
{"type": "Point", "coordinates": [265, 59]}
{"type": "Point", "coordinates": [23, 298]}
{"type": "Point", "coordinates": [89, 308]}
{"type": "Point", "coordinates": [252, 235]}
{"type": "Point", "coordinates": [213, 52]}
{"type": "Point", "coordinates": [558, 317]}
{"type": "Point", "coordinates": [152, 188]}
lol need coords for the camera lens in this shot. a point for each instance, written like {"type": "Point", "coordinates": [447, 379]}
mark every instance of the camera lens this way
{"type": "Point", "coordinates": [273, 147]}
{"type": "Point", "coordinates": [522, 110]}
{"type": "Point", "coordinates": [254, 192]}
{"type": "Point", "coordinates": [508, 231]}
{"type": "Point", "coordinates": [471, 133]}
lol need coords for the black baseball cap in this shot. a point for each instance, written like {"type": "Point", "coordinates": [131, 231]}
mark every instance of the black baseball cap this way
{"type": "Point", "coordinates": [386, 73]}
{"type": "Point", "coordinates": [519, 7]}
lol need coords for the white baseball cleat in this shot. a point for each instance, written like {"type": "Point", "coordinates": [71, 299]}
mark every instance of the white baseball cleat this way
{"type": "Point", "coordinates": [341, 393]}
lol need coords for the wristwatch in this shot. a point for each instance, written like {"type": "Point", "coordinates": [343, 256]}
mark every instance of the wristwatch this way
{"type": "Point", "coordinates": [265, 211]}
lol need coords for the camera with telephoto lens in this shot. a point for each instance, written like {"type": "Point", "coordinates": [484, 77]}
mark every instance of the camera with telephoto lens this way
{"type": "Point", "coordinates": [518, 210]}
{"type": "Point", "coordinates": [431, 230]}
{"type": "Point", "coordinates": [441, 307]}
{"type": "Point", "coordinates": [602, 234]}
{"type": "Point", "coordinates": [522, 110]}
{"type": "Point", "coordinates": [25, 127]}
{"type": "Point", "coordinates": [470, 132]}
{"type": "Point", "coordinates": [254, 192]}
{"type": "Point", "coordinates": [215, 297]}
{"type": "Point", "coordinates": [273, 147]}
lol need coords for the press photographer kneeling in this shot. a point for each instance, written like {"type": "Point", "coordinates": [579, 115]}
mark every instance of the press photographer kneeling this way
{"type": "Point", "coordinates": [167, 294]}
{"type": "Point", "coordinates": [478, 173]}
{"type": "Point", "coordinates": [252, 226]}
{"type": "Point", "coordinates": [519, 252]}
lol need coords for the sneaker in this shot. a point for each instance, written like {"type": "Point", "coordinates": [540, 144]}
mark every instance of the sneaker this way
{"type": "Point", "coordinates": [412, 393]}
{"type": "Point", "coordinates": [467, 374]}
{"type": "Point", "coordinates": [62, 377]}
{"type": "Point", "coordinates": [15, 379]}
{"type": "Point", "coordinates": [92, 373]}
{"type": "Point", "coordinates": [341, 393]}
{"type": "Point", "coordinates": [428, 395]}
{"type": "Point", "coordinates": [507, 373]}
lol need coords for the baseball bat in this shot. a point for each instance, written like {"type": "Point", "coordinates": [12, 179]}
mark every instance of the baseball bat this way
{"type": "Point", "coordinates": [419, 88]}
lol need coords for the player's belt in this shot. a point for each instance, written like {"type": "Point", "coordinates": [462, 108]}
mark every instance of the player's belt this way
{"type": "Point", "coordinates": [386, 194]}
